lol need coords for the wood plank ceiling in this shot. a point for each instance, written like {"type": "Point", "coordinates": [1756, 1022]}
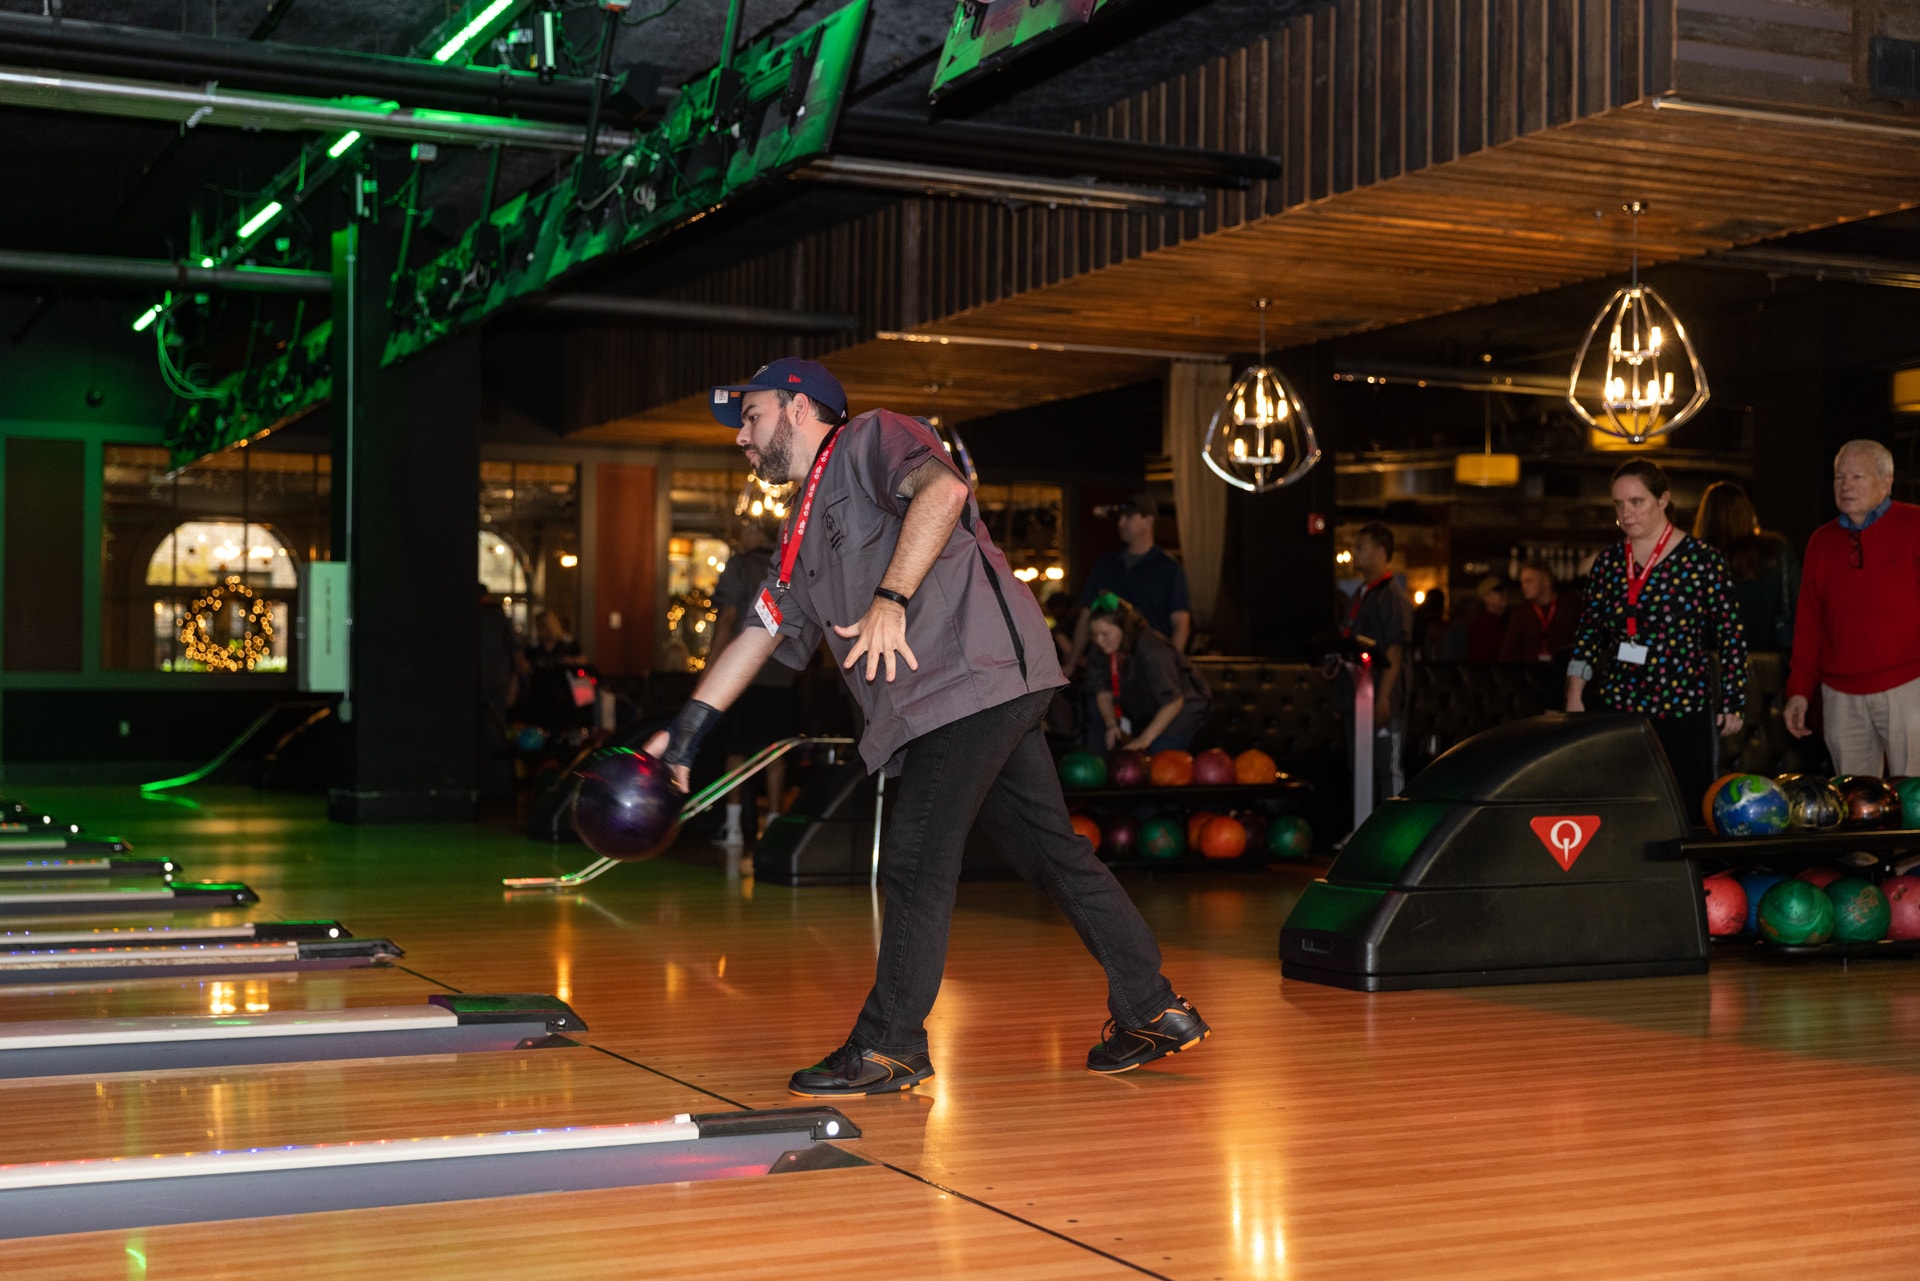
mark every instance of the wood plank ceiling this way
{"type": "Point", "coordinates": [1440, 155]}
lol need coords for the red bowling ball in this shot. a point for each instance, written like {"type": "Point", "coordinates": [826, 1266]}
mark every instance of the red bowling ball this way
{"type": "Point", "coordinates": [1129, 769]}
{"type": "Point", "coordinates": [1903, 902]}
{"type": "Point", "coordinates": [1213, 768]}
{"type": "Point", "coordinates": [1726, 905]}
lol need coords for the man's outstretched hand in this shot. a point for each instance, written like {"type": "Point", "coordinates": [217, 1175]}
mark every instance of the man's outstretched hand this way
{"type": "Point", "coordinates": [880, 634]}
{"type": "Point", "coordinates": [682, 776]}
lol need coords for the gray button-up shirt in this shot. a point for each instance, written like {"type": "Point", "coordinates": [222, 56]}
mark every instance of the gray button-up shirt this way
{"type": "Point", "coordinates": [976, 631]}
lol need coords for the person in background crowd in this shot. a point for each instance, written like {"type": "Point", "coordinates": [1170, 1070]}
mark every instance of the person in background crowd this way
{"type": "Point", "coordinates": [1148, 696]}
{"type": "Point", "coordinates": [1429, 624]}
{"type": "Point", "coordinates": [1658, 605]}
{"type": "Point", "coordinates": [1140, 573]}
{"type": "Point", "coordinates": [550, 671]}
{"type": "Point", "coordinates": [1765, 572]}
{"type": "Point", "coordinates": [1143, 575]}
{"type": "Point", "coordinates": [1487, 629]}
{"type": "Point", "coordinates": [1381, 615]}
{"type": "Point", "coordinates": [1856, 633]}
{"type": "Point", "coordinates": [765, 712]}
{"type": "Point", "coordinates": [1542, 625]}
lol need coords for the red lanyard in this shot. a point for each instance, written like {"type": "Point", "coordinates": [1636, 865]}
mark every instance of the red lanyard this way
{"type": "Point", "coordinates": [1113, 668]}
{"type": "Point", "coordinates": [797, 530]}
{"type": "Point", "coordinates": [1546, 616]}
{"type": "Point", "coordinates": [1359, 599]}
{"type": "Point", "coordinates": [1636, 583]}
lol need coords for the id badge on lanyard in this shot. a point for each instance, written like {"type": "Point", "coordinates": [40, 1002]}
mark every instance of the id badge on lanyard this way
{"type": "Point", "coordinates": [1632, 650]}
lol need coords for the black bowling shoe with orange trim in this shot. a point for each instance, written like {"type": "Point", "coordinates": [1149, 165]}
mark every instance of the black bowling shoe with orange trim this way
{"type": "Point", "coordinates": [851, 1070]}
{"type": "Point", "coordinates": [1121, 1049]}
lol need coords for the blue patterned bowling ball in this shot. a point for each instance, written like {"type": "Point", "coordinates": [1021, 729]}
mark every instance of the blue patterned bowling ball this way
{"type": "Point", "coordinates": [1749, 805]}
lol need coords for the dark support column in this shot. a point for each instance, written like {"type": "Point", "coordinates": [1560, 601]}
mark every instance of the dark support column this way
{"type": "Point", "coordinates": [1276, 586]}
{"type": "Point", "coordinates": [406, 475]}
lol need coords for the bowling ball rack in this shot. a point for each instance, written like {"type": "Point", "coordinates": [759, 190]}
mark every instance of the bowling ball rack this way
{"type": "Point", "coordinates": [698, 803]}
{"type": "Point", "coordinates": [1794, 851]}
{"type": "Point", "coordinates": [1288, 792]}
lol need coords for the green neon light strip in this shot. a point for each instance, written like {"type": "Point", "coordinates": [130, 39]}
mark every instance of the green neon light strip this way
{"type": "Point", "coordinates": [260, 219]}
{"type": "Point", "coordinates": [472, 29]}
{"type": "Point", "coordinates": [147, 317]}
{"type": "Point", "coordinates": [344, 144]}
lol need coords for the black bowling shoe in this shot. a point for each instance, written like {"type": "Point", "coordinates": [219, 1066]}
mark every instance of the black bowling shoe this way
{"type": "Point", "coordinates": [1121, 1049]}
{"type": "Point", "coordinates": [851, 1070]}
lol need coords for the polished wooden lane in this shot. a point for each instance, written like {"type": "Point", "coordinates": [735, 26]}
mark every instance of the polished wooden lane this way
{"type": "Point", "coordinates": [1696, 1127]}
{"type": "Point", "coordinates": [212, 994]}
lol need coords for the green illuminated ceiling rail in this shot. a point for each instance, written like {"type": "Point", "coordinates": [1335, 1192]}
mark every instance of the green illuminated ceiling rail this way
{"type": "Point", "coordinates": [772, 110]}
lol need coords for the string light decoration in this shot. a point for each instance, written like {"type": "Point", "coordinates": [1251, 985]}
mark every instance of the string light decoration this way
{"type": "Point", "coordinates": [1260, 439]}
{"type": "Point", "coordinates": [758, 498]}
{"type": "Point", "coordinates": [241, 652]}
{"type": "Point", "coordinates": [1635, 369]}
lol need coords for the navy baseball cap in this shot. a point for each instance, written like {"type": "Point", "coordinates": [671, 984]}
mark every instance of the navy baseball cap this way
{"type": "Point", "coordinates": [789, 373]}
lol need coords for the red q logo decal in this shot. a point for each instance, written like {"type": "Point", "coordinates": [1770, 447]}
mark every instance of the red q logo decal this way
{"type": "Point", "coordinates": [1565, 835]}
{"type": "Point", "coordinates": [793, 378]}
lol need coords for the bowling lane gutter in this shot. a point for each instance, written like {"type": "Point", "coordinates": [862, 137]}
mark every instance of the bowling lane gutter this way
{"type": "Point", "coordinates": [902, 1171]}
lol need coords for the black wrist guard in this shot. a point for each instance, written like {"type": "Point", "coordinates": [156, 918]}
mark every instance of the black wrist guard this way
{"type": "Point", "coordinates": [689, 729]}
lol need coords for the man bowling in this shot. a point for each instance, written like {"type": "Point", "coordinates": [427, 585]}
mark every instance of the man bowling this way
{"type": "Point", "coordinates": [948, 655]}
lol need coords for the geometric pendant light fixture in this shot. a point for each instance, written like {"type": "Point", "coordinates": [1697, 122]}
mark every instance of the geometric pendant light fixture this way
{"type": "Point", "coordinates": [1642, 378]}
{"type": "Point", "coordinates": [1260, 439]}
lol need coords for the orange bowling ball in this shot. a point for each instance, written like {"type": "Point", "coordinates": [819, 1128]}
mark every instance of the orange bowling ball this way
{"type": "Point", "coordinates": [1197, 823]}
{"type": "Point", "coordinates": [1254, 766]}
{"type": "Point", "coordinates": [1223, 838]}
{"type": "Point", "coordinates": [1172, 769]}
{"type": "Point", "coordinates": [1088, 828]}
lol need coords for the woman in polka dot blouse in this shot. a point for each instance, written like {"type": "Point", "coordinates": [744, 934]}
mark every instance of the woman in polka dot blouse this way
{"type": "Point", "coordinates": [1651, 624]}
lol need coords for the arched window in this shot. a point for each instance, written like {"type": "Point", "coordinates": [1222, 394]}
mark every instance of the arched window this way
{"type": "Point", "coordinates": [225, 600]}
{"type": "Point", "coordinates": [503, 569]}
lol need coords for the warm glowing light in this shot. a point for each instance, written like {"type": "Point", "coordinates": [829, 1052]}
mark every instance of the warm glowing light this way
{"type": "Point", "coordinates": [1055, 573]}
{"type": "Point", "coordinates": [568, 560]}
{"type": "Point", "coordinates": [1419, 598]}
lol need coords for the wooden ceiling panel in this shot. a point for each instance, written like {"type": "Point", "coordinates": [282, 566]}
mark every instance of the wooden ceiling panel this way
{"type": "Point", "coordinates": [1512, 220]}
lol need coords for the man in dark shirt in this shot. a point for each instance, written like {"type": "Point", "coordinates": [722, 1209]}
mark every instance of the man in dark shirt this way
{"type": "Point", "coordinates": [886, 558]}
{"type": "Point", "coordinates": [1141, 574]}
{"type": "Point", "coordinates": [1544, 623]}
{"type": "Point", "coordinates": [1381, 615]}
{"type": "Point", "coordinates": [1145, 577]}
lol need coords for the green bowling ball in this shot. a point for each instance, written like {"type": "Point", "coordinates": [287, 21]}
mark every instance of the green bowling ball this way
{"type": "Point", "coordinates": [1796, 913]}
{"type": "Point", "coordinates": [1908, 790]}
{"type": "Point", "coordinates": [1082, 771]}
{"type": "Point", "coordinates": [1289, 836]}
{"type": "Point", "coordinates": [1860, 911]}
{"type": "Point", "coordinates": [1163, 838]}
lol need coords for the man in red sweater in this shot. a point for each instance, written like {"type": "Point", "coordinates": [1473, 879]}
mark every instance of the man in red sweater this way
{"type": "Point", "coordinates": [1856, 636]}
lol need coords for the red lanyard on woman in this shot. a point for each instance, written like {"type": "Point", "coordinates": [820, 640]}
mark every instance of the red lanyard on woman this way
{"type": "Point", "coordinates": [1636, 583]}
{"type": "Point", "coordinates": [1113, 669]}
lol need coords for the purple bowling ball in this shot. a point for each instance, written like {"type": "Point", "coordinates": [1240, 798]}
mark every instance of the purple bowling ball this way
{"type": "Point", "coordinates": [625, 805]}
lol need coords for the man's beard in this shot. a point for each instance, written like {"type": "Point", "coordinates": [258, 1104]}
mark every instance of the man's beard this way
{"type": "Point", "coordinates": [776, 460]}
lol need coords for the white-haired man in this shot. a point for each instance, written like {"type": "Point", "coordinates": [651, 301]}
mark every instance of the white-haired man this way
{"type": "Point", "coordinates": [1856, 635]}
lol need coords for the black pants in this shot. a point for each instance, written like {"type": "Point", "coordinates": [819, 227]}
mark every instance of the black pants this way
{"type": "Point", "coordinates": [993, 767]}
{"type": "Point", "coordinates": [1692, 744]}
